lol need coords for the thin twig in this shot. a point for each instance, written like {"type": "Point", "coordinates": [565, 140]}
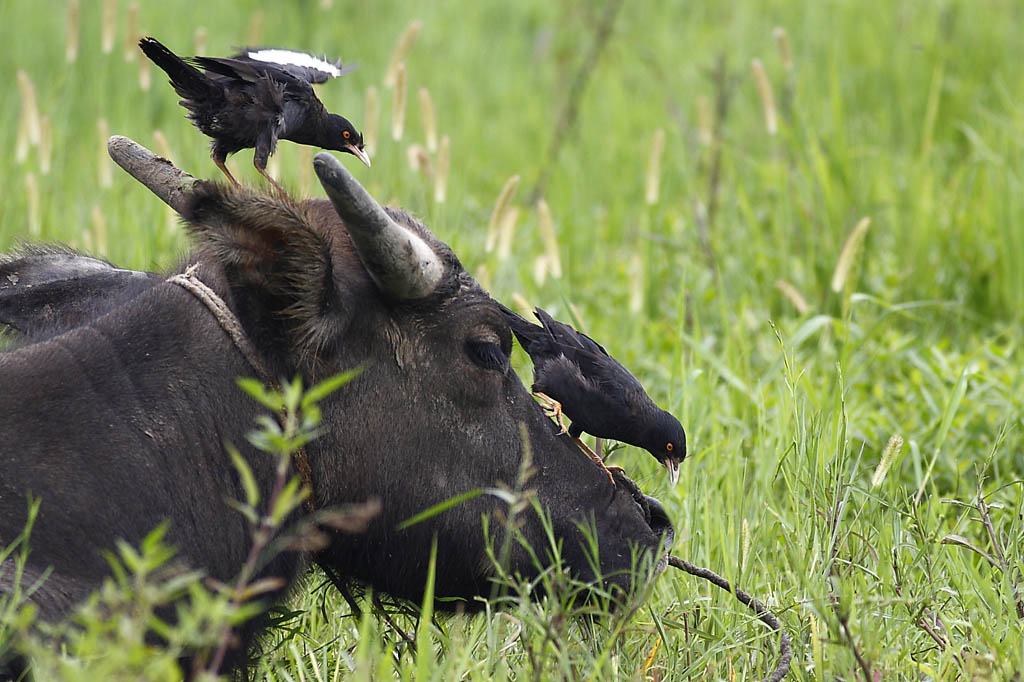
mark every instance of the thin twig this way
{"type": "Point", "coordinates": [926, 614]}
{"type": "Point", "coordinates": [570, 110]}
{"type": "Point", "coordinates": [379, 605]}
{"type": "Point", "coordinates": [986, 520]}
{"type": "Point", "coordinates": [865, 668]}
{"type": "Point", "coordinates": [755, 605]}
{"type": "Point", "coordinates": [342, 587]}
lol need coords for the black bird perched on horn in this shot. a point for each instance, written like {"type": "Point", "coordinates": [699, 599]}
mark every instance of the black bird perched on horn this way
{"type": "Point", "coordinates": [574, 375]}
{"type": "Point", "coordinates": [256, 98]}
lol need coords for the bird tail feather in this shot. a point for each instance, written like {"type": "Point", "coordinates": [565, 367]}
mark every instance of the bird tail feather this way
{"type": "Point", "coordinates": [188, 81]}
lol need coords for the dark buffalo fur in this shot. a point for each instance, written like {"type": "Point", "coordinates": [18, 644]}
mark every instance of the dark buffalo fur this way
{"type": "Point", "coordinates": [116, 407]}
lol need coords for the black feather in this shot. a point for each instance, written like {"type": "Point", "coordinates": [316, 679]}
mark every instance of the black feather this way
{"type": "Point", "coordinates": [596, 392]}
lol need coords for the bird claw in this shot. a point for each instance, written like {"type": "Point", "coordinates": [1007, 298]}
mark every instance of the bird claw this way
{"type": "Point", "coordinates": [553, 410]}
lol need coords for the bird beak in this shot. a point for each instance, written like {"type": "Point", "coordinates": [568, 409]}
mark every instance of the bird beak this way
{"type": "Point", "coordinates": [673, 471]}
{"type": "Point", "coordinates": [359, 153]}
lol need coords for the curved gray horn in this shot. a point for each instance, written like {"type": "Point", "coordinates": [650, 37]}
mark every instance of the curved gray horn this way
{"type": "Point", "coordinates": [399, 260]}
{"type": "Point", "coordinates": [172, 185]}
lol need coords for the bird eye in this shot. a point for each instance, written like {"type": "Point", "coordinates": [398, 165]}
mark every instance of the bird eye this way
{"type": "Point", "coordinates": [346, 134]}
{"type": "Point", "coordinates": [488, 355]}
{"type": "Point", "coordinates": [669, 447]}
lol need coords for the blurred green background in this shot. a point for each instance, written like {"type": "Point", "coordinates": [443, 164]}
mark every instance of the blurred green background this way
{"type": "Point", "coordinates": [727, 270]}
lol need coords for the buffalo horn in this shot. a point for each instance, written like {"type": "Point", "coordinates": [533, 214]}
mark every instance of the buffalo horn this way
{"type": "Point", "coordinates": [172, 185]}
{"type": "Point", "coordinates": [401, 263]}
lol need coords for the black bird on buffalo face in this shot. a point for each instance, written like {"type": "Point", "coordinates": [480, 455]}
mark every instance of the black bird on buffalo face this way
{"type": "Point", "coordinates": [255, 99]}
{"type": "Point", "coordinates": [575, 376]}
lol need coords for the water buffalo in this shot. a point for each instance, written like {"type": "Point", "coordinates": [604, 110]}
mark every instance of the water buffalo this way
{"type": "Point", "coordinates": [118, 402]}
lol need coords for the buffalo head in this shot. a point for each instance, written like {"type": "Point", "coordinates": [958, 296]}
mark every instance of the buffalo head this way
{"type": "Point", "coordinates": [318, 286]}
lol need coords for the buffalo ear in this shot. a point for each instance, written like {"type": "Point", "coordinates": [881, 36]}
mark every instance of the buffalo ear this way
{"type": "Point", "coordinates": [272, 255]}
{"type": "Point", "coordinates": [49, 290]}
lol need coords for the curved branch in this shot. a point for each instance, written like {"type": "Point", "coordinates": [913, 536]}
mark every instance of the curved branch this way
{"type": "Point", "coordinates": [756, 605]}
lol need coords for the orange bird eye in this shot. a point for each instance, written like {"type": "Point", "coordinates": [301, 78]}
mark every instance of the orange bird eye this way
{"type": "Point", "coordinates": [346, 134]}
{"type": "Point", "coordinates": [669, 447]}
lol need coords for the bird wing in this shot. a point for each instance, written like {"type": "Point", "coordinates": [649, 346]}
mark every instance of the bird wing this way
{"type": "Point", "coordinates": [301, 65]}
{"type": "Point", "coordinates": [595, 363]}
{"type": "Point", "coordinates": [533, 338]}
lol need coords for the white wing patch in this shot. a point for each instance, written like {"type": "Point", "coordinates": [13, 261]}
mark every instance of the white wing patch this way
{"type": "Point", "coordinates": [288, 57]}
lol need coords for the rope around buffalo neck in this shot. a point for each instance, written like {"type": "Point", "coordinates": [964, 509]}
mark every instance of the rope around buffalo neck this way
{"type": "Point", "coordinates": [191, 283]}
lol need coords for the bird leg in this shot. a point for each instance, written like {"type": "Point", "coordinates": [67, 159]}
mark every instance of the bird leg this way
{"type": "Point", "coordinates": [224, 169]}
{"type": "Point", "coordinates": [553, 409]}
{"type": "Point", "coordinates": [272, 181]}
{"type": "Point", "coordinates": [599, 462]}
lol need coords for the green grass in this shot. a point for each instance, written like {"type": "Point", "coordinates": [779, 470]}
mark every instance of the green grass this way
{"type": "Point", "coordinates": [909, 113]}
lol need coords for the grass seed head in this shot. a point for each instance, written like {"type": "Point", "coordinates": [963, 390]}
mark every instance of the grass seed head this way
{"type": "Point", "coordinates": [402, 47]}
{"type": "Point", "coordinates": [108, 26]}
{"type": "Point", "coordinates": [129, 48]}
{"type": "Point", "coordinates": [483, 277]}
{"type": "Point", "coordinates": [21, 142]}
{"type": "Point", "coordinates": [653, 178]}
{"type": "Point", "coordinates": [74, 24]}
{"type": "Point", "coordinates": [849, 253]}
{"type": "Point", "coordinates": [764, 90]}
{"type": "Point", "coordinates": [145, 74]}
{"type": "Point", "coordinates": [504, 197]}
{"type": "Point", "coordinates": [636, 283]}
{"type": "Point", "coordinates": [506, 231]}
{"type": "Point", "coordinates": [274, 167]}
{"type": "Point", "coordinates": [419, 160]}
{"type": "Point", "coordinates": [45, 144]}
{"type": "Point", "coordinates": [744, 544]}
{"type": "Point", "coordinates": [522, 306]}
{"type": "Point", "coordinates": [705, 121]}
{"type": "Point", "coordinates": [546, 225]}
{"type": "Point", "coordinates": [793, 295]}
{"type": "Point", "coordinates": [429, 120]}
{"type": "Point", "coordinates": [35, 226]}
{"type": "Point", "coordinates": [200, 39]}
{"type": "Point", "coordinates": [540, 269]}
{"type": "Point", "coordinates": [163, 148]}
{"type": "Point", "coordinates": [398, 104]}
{"type": "Point", "coordinates": [892, 449]}
{"type": "Point", "coordinates": [254, 33]}
{"type": "Point", "coordinates": [305, 169]}
{"type": "Point", "coordinates": [98, 220]}
{"type": "Point", "coordinates": [29, 107]}
{"type": "Point", "coordinates": [785, 49]}
{"type": "Point", "coordinates": [371, 120]}
{"type": "Point", "coordinates": [441, 174]}
{"type": "Point", "coordinates": [106, 170]}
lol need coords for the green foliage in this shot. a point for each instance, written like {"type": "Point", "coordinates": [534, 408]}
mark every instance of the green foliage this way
{"type": "Point", "coordinates": [911, 114]}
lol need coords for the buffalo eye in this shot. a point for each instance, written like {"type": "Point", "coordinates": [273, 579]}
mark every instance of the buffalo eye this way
{"type": "Point", "coordinates": [346, 134]}
{"type": "Point", "coordinates": [487, 354]}
{"type": "Point", "coordinates": [669, 447]}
